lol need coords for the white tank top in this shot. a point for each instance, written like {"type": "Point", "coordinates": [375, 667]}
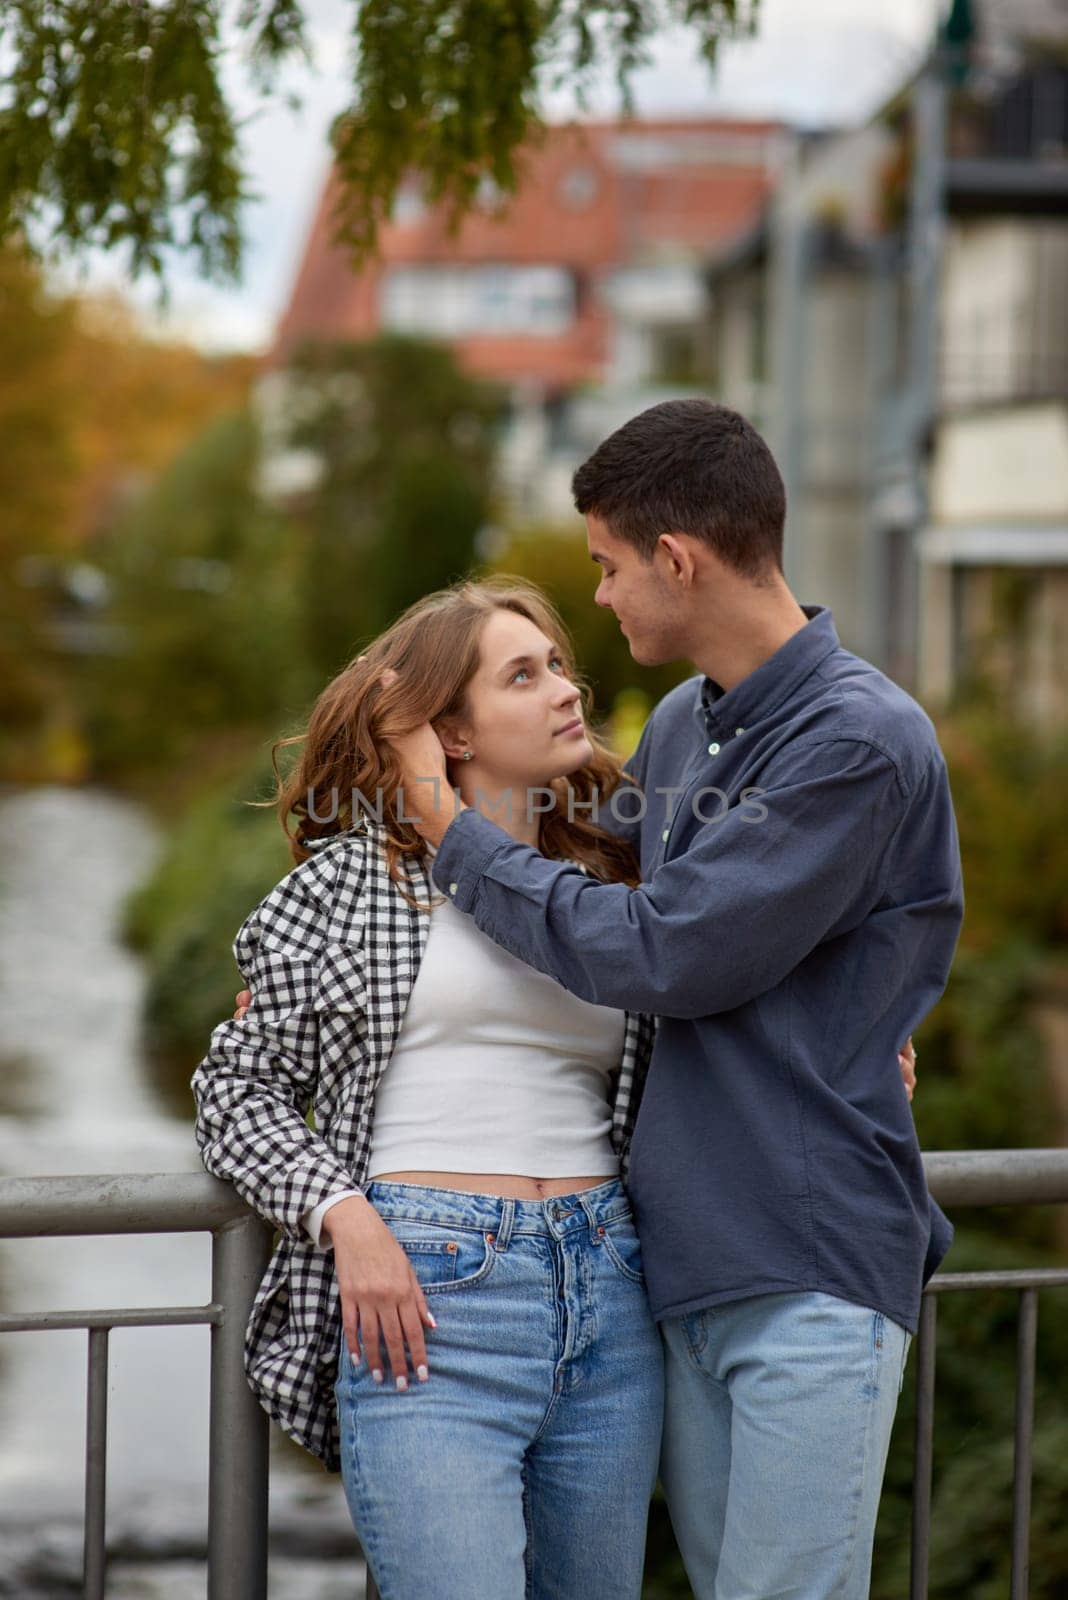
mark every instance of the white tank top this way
{"type": "Point", "coordinates": [497, 1068]}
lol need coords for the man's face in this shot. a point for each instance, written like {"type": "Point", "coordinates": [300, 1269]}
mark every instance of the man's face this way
{"type": "Point", "coordinates": [647, 606]}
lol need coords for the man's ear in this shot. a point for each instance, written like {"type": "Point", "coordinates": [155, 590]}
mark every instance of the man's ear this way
{"type": "Point", "coordinates": [679, 554]}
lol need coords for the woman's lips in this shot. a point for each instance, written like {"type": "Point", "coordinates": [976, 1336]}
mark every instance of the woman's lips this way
{"type": "Point", "coordinates": [570, 727]}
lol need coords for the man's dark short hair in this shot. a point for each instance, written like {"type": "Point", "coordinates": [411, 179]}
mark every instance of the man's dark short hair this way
{"type": "Point", "coordinates": [689, 466]}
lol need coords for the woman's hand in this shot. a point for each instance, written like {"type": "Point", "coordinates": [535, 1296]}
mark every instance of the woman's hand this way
{"type": "Point", "coordinates": [379, 1291]}
{"type": "Point", "coordinates": [906, 1060]}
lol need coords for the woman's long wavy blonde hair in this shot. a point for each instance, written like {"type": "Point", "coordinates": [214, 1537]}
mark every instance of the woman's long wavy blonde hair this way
{"type": "Point", "coordinates": [434, 649]}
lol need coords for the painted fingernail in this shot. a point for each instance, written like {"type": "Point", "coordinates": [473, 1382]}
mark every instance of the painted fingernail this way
{"type": "Point", "coordinates": [354, 1358]}
{"type": "Point", "coordinates": [376, 1375]}
{"type": "Point", "coordinates": [432, 1319]}
{"type": "Point", "coordinates": [422, 1374]}
{"type": "Point", "coordinates": [402, 1383]}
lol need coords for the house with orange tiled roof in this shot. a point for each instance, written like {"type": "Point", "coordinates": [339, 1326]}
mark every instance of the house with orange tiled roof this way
{"type": "Point", "coordinates": [592, 277]}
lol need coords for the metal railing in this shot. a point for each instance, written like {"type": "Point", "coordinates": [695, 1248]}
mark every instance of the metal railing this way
{"type": "Point", "coordinates": [985, 1178]}
{"type": "Point", "coordinates": [237, 1471]}
{"type": "Point", "coordinates": [241, 1245]}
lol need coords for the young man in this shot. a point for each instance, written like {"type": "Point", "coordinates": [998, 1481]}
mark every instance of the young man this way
{"type": "Point", "coordinates": [798, 914]}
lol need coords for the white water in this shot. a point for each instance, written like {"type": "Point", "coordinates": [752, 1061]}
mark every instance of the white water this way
{"type": "Point", "coordinates": [74, 1099]}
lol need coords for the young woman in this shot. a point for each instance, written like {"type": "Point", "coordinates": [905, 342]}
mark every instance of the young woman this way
{"type": "Point", "coordinates": [455, 1314]}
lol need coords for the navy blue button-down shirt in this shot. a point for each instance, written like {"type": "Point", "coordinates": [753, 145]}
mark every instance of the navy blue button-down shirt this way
{"type": "Point", "coordinates": [798, 914]}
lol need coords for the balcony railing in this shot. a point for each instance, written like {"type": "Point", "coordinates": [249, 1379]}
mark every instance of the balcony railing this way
{"type": "Point", "coordinates": [1010, 373]}
{"type": "Point", "coordinates": [237, 1469]}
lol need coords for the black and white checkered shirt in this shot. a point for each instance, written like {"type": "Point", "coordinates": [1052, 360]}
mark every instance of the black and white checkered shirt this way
{"type": "Point", "coordinates": [330, 955]}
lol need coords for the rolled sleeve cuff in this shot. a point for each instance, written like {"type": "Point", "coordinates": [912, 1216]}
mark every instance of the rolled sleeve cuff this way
{"type": "Point", "coordinates": [313, 1219]}
{"type": "Point", "coordinates": [470, 843]}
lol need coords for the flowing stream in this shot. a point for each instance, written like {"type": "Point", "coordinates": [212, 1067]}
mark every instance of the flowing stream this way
{"type": "Point", "coordinates": [74, 1098]}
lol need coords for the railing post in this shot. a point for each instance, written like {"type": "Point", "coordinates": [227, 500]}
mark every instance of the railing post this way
{"type": "Point", "coordinates": [1025, 1421]}
{"type": "Point", "coordinates": [96, 1466]}
{"type": "Point", "coordinates": [923, 1459]}
{"type": "Point", "coordinates": [237, 1471]}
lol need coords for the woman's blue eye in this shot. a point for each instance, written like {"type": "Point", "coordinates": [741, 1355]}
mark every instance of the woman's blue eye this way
{"type": "Point", "coordinates": [554, 660]}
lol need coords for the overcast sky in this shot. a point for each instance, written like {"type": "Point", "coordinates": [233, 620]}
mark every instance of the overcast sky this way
{"type": "Point", "coordinates": [824, 62]}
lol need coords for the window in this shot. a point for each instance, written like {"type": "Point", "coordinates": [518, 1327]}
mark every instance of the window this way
{"type": "Point", "coordinates": [452, 302]}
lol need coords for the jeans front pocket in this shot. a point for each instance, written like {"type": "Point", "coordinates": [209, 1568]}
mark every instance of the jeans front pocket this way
{"type": "Point", "coordinates": [904, 1359]}
{"type": "Point", "coordinates": [443, 1256]}
{"type": "Point", "coordinates": [623, 1248]}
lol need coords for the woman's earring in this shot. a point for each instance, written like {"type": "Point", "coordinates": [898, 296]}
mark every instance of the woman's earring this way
{"type": "Point", "coordinates": [468, 754]}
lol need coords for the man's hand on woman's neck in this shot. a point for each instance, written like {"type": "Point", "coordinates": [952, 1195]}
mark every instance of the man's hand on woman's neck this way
{"type": "Point", "coordinates": [431, 803]}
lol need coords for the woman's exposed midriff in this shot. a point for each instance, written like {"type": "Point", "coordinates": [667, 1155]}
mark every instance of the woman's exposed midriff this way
{"type": "Point", "coordinates": [505, 1185]}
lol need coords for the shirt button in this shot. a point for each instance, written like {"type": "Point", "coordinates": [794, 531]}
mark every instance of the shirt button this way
{"type": "Point", "coordinates": [453, 887]}
{"type": "Point", "coordinates": [665, 835]}
{"type": "Point", "coordinates": [713, 749]}
{"type": "Point", "coordinates": [739, 730]}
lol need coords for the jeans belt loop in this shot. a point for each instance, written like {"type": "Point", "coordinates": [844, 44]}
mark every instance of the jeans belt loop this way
{"type": "Point", "coordinates": [504, 1227]}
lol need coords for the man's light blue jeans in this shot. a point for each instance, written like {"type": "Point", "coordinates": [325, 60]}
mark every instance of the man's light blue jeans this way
{"type": "Point", "coordinates": [523, 1469]}
{"type": "Point", "coordinates": [778, 1410]}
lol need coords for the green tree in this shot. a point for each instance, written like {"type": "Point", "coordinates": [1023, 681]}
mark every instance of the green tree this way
{"type": "Point", "coordinates": [115, 128]}
{"type": "Point", "coordinates": [404, 439]}
{"type": "Point", "coordinates": [220, 858]}
{"type": "Point", "coordinates": [39, 418]}
{"type": "Point", "coordinates": [204, 612]}
{"type": "Point", "coordinates": [88, 408]}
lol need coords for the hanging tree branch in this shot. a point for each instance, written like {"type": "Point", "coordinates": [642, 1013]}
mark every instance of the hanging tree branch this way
{"type": "Point", "coordinates": [115, 130]}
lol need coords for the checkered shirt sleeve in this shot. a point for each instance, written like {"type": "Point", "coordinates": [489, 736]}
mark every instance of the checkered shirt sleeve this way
{"type": "Point", "coordinates": [254, 1087]}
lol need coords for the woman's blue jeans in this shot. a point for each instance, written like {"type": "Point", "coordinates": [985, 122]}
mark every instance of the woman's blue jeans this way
{"type": "Point", "coordinates": [523, 1469]}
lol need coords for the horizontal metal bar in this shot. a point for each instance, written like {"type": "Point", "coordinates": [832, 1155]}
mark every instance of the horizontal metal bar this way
{"type": "Point", "coordinates": [187, 1202]}
{"type": "Point", "coordinates": [1038, 1278]}
{"type": "Point", "coordinates": [998, 1177]}
{"type": "Point", "coordinates": [127, 1317]}
{"type": "Point", "coordinates": [141, 1202]}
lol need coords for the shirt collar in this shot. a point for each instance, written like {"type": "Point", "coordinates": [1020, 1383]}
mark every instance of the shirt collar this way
{"type": "Point", "coordinates": [765, 689]}
{"type": "Point", "coordinates": [363, 824]}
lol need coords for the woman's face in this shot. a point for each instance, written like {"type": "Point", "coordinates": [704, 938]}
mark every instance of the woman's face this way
{"type": "Point", "coordinates": [523, 719]}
